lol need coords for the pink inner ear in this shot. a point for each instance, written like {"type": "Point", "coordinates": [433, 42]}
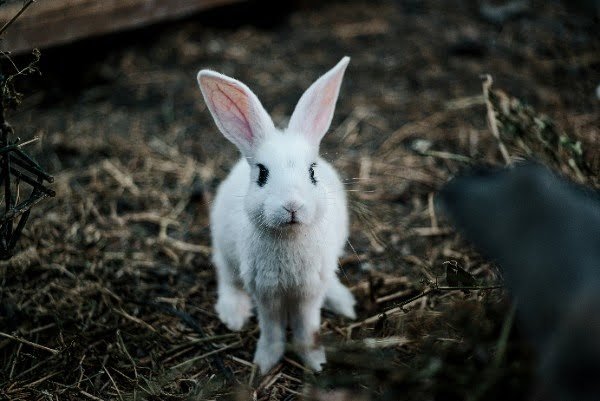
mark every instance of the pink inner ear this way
{"type": "Point", "coordinates": [314, 111]}
{"type": "Point", "coordinates": [231, 105]}
{"type": "Point", "coordinates": [322, 108]}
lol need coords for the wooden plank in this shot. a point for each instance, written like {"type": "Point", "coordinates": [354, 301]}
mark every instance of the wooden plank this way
{"type": "Point", "coordinates": [52, 22]}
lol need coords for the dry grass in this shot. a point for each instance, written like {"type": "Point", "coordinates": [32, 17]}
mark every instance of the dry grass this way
{"type": "Point", "coordinates": [111, 296]}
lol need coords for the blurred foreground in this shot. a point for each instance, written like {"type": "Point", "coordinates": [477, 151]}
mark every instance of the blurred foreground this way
{"type": "Point", "coordinates": [112, 293]}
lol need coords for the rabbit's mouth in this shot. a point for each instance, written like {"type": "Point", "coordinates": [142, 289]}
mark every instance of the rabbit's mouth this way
{"type": "Point", "coordinates": [293, 220]}
{"type": "Point", "coordinates": [287, 220]}
{"type": "Point", "coordinates": [290, 225]}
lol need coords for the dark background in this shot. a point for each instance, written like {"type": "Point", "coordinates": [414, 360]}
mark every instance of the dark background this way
{"type": "Point", "coordinates": [114, 273]}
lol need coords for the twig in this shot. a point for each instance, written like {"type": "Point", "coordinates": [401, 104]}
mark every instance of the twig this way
{"type": "Point", "coordinates": [43, 379]}
{"type": "Point", "coordinates": [149, 217]}
{"type": "Point", "coordinates": [31, 181]}
{"type": "Point", "coordinates": [431, 231]}
{"type": "Point", "coordinates": [464, 102]}
{"type": "Point", "coordinates": [126, 352]}
{"type": "Point", "coordinates": [33, 163]}
{"type": "Point", "coordinates": [32, 344]}
{"type": "Point", "coordinates": [185, 246]}
{"type": "Point", "coordinates": [179, 350]}
{"type": "Point", "coordinates": [242, 361]}
{"type": "Point", "coordinates": [210, 353]}
{"type": "Point", "coordinates": [31, 369]}
{"type": "Point", "coordinates": [388, 312]}
{"type": "Point", "coordinates": [41, 328]}
{"type": "Point", "coordinates": [13, 156]}
{"type": "Point", "coordinates": [197, 341]}
{"type": "Point", "coordinates": [272, 381]}
{"type": "Point", "coordinates": [400, 306]}
{"type": "Point", "coordinates": [17, 15]}
{"type": "Point", "coordinates": [135, 319]}
{"type": "Point", "coordinates": [471, 288]}
{"type": "Point", "coordinates": [392, 341]}
{"type": "Point", "coordinates": [88, 395]}
{"type": "Point", "coordinates": [193, 324]}
{"type": "Point", "coordinates": [113, 383]}
{"type": "Point", "coordinates": [252, 375]}
{"type": "Point", "coordinates": [14, 362]}
{"type": "Point", "coordinates": [125, 180]}
{"type": "Point", "coordinates": [431, 209]}
{"type": "Point", "coordinates": [32, 140]}
{"type": "Point", "coordinates": [447, 155]}
{"type": "Point", "coordinates": [31, 168]}
{"type": "Point", "coordinates": [291, 378]}
{"type": "Point", "coordinates": [387, 281]}
{"type": "Point", "coordinates": [296, 365]}
{"type": "Point", "coordinates": [393, 296]}
{"type": "Point", "coordinates": [22, 208]}
{"type": "Point", "coordinates": [269, 378]}
{"type": "Point", "coordinates": [491, 116]}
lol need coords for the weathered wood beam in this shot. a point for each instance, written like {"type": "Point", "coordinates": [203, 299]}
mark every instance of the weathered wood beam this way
{"type": "Point", "coordinates": [52, 22]}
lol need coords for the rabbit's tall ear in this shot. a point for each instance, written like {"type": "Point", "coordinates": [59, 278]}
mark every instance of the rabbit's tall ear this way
{"type": "Point", "coordinates": [235, 109]}
{"type": "Point", "coordinates": [314, 112]}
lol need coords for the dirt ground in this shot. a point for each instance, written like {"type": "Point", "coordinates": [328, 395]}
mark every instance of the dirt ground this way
{"type": "Point", "coordinates": [111, 293]}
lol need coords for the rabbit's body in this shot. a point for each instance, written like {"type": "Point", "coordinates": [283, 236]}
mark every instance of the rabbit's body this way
{"type": "Point", "coordinates": [276, 262]}
{"type": "Point", "coordinates": [279, 221]}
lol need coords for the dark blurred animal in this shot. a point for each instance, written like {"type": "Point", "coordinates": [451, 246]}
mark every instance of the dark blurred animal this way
{"type": "Point", "coordinates": [544, 232]}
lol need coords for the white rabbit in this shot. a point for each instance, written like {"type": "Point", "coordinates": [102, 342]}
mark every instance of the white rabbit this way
{"type": "Point", "coordinates": [279, 221]}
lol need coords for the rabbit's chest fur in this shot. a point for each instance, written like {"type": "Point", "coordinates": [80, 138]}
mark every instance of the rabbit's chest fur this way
{"type": "Point", "coordinates": [289, 267]}
{"type": "Point", "coordinates": [272, 263]}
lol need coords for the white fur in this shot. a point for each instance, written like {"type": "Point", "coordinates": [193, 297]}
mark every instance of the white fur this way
{"type": "Point", "coordinates": [288, 271]}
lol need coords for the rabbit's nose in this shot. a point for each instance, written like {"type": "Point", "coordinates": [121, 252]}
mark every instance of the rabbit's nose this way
{"type": "Point", "coordinates": [292, 206]}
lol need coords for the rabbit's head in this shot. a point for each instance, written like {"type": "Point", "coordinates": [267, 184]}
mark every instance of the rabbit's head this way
{"type": "Point", "coordinates": [284, 192]}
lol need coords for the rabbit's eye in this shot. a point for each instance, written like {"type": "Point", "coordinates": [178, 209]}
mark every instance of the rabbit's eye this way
{"type": "Point", "coordinates": [311, 171]}
{"type": "Point", "coordinates": [263, 174]}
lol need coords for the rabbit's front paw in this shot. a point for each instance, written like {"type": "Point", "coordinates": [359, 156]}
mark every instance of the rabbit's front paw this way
{"type": "Point", "coordinates": [234, 309]}
{"type": "Point", "coordinates": [267, 355]}
{"type": "Point", "coordinates": [314, 358]}
{"type": "Point", "coordinates": [340, 300]}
